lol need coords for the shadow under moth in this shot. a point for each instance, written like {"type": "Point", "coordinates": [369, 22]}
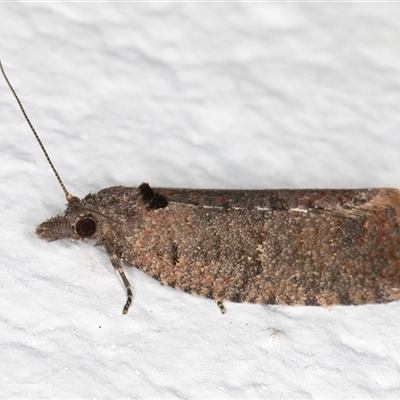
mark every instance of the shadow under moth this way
{"type": "Point", "coordinates": [293, 247]}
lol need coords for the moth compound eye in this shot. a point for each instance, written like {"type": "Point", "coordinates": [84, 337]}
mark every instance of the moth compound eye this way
{"type": "Point", "coordinates": [85, 227]}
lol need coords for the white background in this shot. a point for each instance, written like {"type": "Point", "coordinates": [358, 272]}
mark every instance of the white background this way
{"type": "Point", "coordinates": [221, 95]}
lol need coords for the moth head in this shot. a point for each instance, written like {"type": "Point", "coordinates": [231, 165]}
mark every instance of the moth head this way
{"type": "Point", "coordinates": [76, 223]}
{"type": "Point", "coordinates": [97, 215]}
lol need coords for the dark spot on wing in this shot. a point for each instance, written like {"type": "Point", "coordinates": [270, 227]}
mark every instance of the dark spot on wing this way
{"type": "Point", "coordinates": [311, 301]}
{"type": "Point", "coordinates": [271, 299]}
{"type": "Point", "coordinates": [175, 256]}
{"type": "Point", "coordinates": [236, 298]}
{"type": "Point", "coordinates": [152, 199]}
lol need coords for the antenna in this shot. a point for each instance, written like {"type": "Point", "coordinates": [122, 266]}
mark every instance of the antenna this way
{"type": "Point", "coordinates": [67, 194]}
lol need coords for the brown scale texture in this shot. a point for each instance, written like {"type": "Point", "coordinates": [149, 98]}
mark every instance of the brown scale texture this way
{"type": "Point", "coordinates": [307, 247]}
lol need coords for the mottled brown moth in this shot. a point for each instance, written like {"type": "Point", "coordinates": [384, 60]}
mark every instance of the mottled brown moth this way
{"type": "Point", "coordinates": [293, 247]}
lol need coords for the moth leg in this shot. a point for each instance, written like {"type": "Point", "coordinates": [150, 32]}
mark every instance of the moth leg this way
{"type": "Point", "coordinates": [221, 306]}
{"type": "Point", "coordinates": [116, 263]}
{"type": "Point", "coordinates": [129, 295]}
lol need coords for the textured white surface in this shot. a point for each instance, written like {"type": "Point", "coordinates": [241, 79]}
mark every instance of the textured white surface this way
{"type": "Point", "coordinates": [233, 95]}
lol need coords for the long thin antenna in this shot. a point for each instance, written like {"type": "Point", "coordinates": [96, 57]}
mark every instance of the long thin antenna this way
{"type": "Point", "coordinates": [67, 194]}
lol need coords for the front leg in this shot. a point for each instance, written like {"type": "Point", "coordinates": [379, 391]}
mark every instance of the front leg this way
{"type": "Point", "coordinates": [116, 263]}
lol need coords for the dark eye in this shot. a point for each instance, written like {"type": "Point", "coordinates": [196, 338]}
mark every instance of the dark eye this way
{"type": "Point", "coordinates": [85, 227]}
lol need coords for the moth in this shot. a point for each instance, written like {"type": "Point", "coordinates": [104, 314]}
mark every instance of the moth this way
{"type": "Point", "coordinates": [288, 247]}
